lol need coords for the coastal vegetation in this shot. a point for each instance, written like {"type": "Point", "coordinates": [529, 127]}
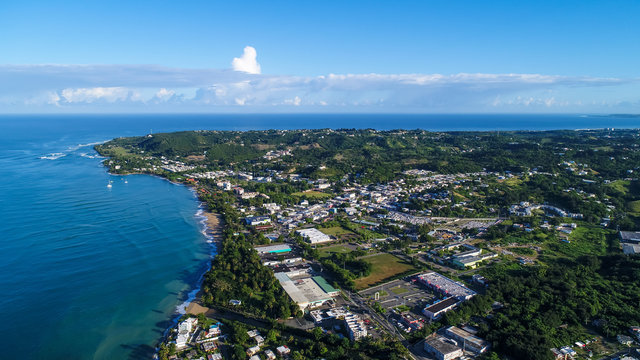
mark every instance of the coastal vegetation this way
{"type": "Point", "coordinates": [554, 201]}
{"type": "Point", "coordinates": [237, 272]}
{"type": "Point", "coordinates": [549, 306]}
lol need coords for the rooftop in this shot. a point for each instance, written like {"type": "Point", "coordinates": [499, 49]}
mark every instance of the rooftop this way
{"type": "Point", "coordinates": [304, 292]}
{"type": "Point", "coordinates": [278, 248]}
{"type": "Point", "coordinates": [440, 344]}
{"type": "Point", "coordinates": [441, 305]}
{"type": "Point", "coordinates": [630, 235]}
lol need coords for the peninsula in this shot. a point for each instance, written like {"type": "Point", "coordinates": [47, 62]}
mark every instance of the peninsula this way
{"type": "Point", "coordinates": [403, 244]}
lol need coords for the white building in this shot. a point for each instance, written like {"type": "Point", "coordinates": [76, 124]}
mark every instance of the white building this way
{"type": "Point", "coordinates": [314, 236]}
{"type": "Point", "coordinates": [184, 331]}
{"type": "Point", "coordinates": [442, 348]}
{"type": "Point", "coordinates": [355, 327]}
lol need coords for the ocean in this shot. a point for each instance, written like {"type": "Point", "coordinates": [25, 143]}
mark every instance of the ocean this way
{"type": "Point", "coordinates": [97, 272]}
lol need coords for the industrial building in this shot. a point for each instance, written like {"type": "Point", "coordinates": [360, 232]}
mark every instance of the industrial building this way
{"type": "Point", "coordinates": [442, 348]}
{"type": "Point", "coordinates": [470, 261]}
{"type": "Point", "coordinates": [468, 341]}
{"type": "Point", "coordinates": [273, 249]}
{"type": "Point", "coordinates": [445, 286]}
{"type": "Point", "coordinates": [314, 236]}
{"type": "Point", "coordinates": [307, 292]}
{"type": "Point", "coordinates": [436, 310]}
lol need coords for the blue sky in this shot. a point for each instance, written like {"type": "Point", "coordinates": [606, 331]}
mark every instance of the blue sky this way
{"type": "Point", "coordinates": [337, 56]}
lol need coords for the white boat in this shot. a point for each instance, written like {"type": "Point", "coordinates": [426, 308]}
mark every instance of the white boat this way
{"type": "Point", "coordinates": [109, 185]}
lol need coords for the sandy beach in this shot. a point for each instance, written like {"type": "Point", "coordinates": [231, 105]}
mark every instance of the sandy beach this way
{"type": "Point", "coordinates": [214, 229]}
{"type": "Point", "coordinates": [214, 225]}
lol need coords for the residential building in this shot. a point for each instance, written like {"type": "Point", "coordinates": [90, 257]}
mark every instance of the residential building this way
{"type": "Point", "coordinates": [355, 327]}
{"type": "Point", "coordinates": [270, 355]}
{"type": "Point", "coordinates": [257, 220]}
{"type": "Point", "coordinates": [630, 236]}
{"type": "Point", "coordinates": [253, 350]}
{"type": "Point", "coordinates": [283, 350]}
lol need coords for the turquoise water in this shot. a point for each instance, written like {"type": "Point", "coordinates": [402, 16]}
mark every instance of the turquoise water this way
{"type": "Point", "coordinates": [90, 272]}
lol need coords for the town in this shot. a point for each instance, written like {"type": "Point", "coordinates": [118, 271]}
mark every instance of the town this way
{"type": "Point", "coordinates": [414, 262]}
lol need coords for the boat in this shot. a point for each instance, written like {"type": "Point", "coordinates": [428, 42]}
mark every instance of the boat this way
{"type": "Point", "coordinates": [109, 185]}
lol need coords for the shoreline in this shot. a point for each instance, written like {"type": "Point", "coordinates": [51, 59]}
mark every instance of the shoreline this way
{"type": "Point", "coordinates": [213, 226]}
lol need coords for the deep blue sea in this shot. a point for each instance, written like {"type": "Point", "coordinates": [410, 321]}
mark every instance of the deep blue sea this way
{"type": "Point", "coordinates": [91, 272]}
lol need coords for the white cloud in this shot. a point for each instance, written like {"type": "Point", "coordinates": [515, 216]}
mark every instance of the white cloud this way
{"type": "Point", "coordinates": [89, 95]}
{"type": "Point", "coordinates": [145, 88]}
{"type": "Point", "coordinates": [247, 62]}
{"type": "Point", "coordinates": [164, 94]}
{"type": "Point", "coordinates": [296, 101]}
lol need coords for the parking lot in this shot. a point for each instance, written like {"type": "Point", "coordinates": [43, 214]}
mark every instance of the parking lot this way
{"type": "Point", "coordinates": [400, 293]}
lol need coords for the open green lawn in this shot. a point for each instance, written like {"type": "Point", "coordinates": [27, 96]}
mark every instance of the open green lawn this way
{"type": "Point", "coordinates": [336, 231]}
{"type": "Point", "coordinates": [621, 186]}
{"type": "Point", "coordinates": [327, 251]}
{"type": "Point", "coordinates": [584, 241]}
{"type": "Point", "coordinates": [362, 230]}
{"type": "Point", "coordinates": [384, 266]}
{"type": "Point", "coordinates": [118, 151]}
{"type": "Point", "coordinates": [312, 194]}
{"type": "Point", "coordinates": [634, 206]}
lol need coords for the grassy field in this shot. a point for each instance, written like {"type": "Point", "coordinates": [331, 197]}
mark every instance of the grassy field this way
{"type": "Point", "coordinates": [118, 151]}
{"type": "Point", "coordinates": [384, 266]}
{"type": "Point", "coordinates": [362, 230]}
{"type": "Point", "coordinates": [312, 194]}
{"type": "Point", "coordinates": [336, 231]}
{"type": "Point", "coordinates": [621, 186]}
{"type": "Point", "coordinates": [584, 241]}
{"type": "Point", "coordinates": [634, 206]}
{"type": "Point", "coordinates": [327, 251]}
{"type": "Point", "coordinates": [522, 251]}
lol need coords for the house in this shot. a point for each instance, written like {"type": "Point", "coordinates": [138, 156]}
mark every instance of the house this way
{"type": "Point", "coordinates": [214, 330]}
{"type": "Point", "coordinates": [253, 350]}
{"type": "Point", "coordinates": [269, 354]}
{"type": "Point", "coordinates": [558, 355]}
{"type": "Point", "coordinates": [283, 350]}
{"type": "Point", "coordinates": [630, 236]}
{"type": "Point", "coordinates": [209, 346]}
{"type": "Point", "coordinates": [259, 340]}
{"type": "Point", "coordinates": [625, 340]}
{"type": "Point", "coordinates": [442, 348]}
